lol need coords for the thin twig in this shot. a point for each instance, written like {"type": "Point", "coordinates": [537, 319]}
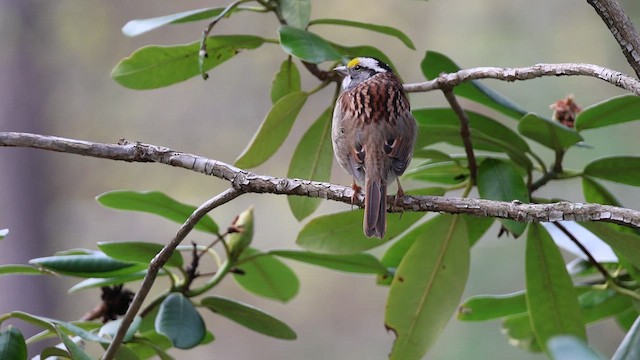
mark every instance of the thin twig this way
{"type": "Point", "coordinates": [584, 250]}
{"type": "Point", "coordinates": [465, 133]}
{"type": "Point", "coordinates": [160, 259]}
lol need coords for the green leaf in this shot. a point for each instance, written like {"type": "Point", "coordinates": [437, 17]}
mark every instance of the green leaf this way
{"type": "Point", "coordinates": [312, 160]}
{"type": "Point", "coordinates": [286, 81]}
{"type": "Point", "coordinates": [16, 269]}
{"type": "Point", "coordinates": [306, 45]}
{"type": "Point", "coordinates": [500, 180]}
{"type": "Point", "coordinates": [239, 240]}
{"type": "Point", "coordinates": [566, 347]}
{"type": "Point", "coordinates": [629, 349]}
{"type": "Point", "coordinates": [76, 352]}
{"type": "Point", "coordinates": [138, 252]}
{"type": "Point", "coordinates": [387, 30]}
{"type": "Point", "coordinates": [155, 202]}
{"type": "Point", "coordinates": [476, 227]}
{"type": "Point", "coordinates": [518, 329]}
{"type": "Point", "coordinates": [140, 26]}
{"type": "Point", "coordinates": [179, 320]}
{"type": "Point", "coordinates": [250, 317]}
{"type": "Point", "coordinates": [95, 265]}
{"type": "Point", "coordinates": [626, 244]}
{"type": "Point", "coordinates": [435, 63]}
{"type": "Point", "coordinates": [54, 352]}
{"type": "Point", "coordinates": [489, 307]}
{"type": "Point", "coordinates": [597, 304]}
{"type": "Point", "coordinates": [155, 66]}
{"type": "Point", "coordinates": [3, 233]}
{"type": "Point", "coordinates": [110, 329]}
{"type": "Point", "coordinates": [431, 154]}
{"type": "Point", "coordinates": [594, 192]}
{"type": "Point", "coordinates": [443, 172]}
{"type": "Point", "coordinates": [341, 233]}
{"type": "Point", "coordinates": [267, 276]}
{"type": "Point", "coordinates": [100, 282]}
{"type": "Point", "coordinates": [295, 13]}
{"type": "Point", "coordinates": [621, 169]}
{"type": "Point", "coordinates": [427, 287]}
{"type": "Point", "coordinates": [609, 112]}
{"type": "Point", "coordinates": [273, 131]}
{"type": "Point", "coordinates": [627, 318]}
{"type": "Point", "coordinates": [12, 344]}
{"type": "Point", "coordinates": [354, 263]}
{"type": "Point", "coordinates": [551, 299]}
{"type": "Point", "coordinates": [548, 132]}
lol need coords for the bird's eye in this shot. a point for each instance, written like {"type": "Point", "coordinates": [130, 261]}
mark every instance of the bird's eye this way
{"type": "Point", "coordinates": [357, 68]}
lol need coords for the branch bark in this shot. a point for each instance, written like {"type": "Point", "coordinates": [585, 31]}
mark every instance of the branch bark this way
{"type": "Point", "coordinates": [249, 182]}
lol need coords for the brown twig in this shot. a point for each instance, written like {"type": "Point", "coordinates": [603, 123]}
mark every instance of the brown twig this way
{"type": "Point", "coordinates": [465, 132]}
{"type": "Point", "coordinates": [584, 250]}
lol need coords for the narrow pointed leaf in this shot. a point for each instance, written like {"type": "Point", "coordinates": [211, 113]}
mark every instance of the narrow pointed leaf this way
{"type": "Point", "coordinates": [295, 13]}
{"type": "Point", "coordinates": [306, 45]}
{"type": "Point", "coordinates": [138, 252]}
{"type": "Point", "coordinates": [140, 26]}
{"type": "Point", "coordinates": [612, 111]}
{"type": "Point", "coordinates": [273, 131]}
{"type": "Point", "coordinates": [387, 30]}
{"type": "Point", "coordinates": [179, 320]}
{"type": "Point", "coordinates": [267, 276]}
{"type": "Point", "coordinates": [629, 349]}
{"type": "Point", "coordinates": [548, 132]}
{"type": "Point", "coordinates": [155, 66]}
{"type": "Point", "coordinates": [594, 192]}
{"type": "Point", "coordinates": [427, 287]}
{"type": "Point", "coordinates": [312, 160]}
{"type": "Point", "coordinates": [286, 81]}
{"type": "Point", "coordinates": [250, 317]}
{"type": "Point", "coordinates": [489, 307]}
{"type": "Point", "coordinates": [621, 169]}
{"type": "Point", "coordinates": [100, 282]}
{"type": "Point", "coordinates": [443, 172]}
{"type": "Point", "coordinates": [500, 180]}
{"type": "Point", "coordinates": [551, 299]}
{"type": "Point", "coordinates": [77, 353]}
{"type": "Point", "coordinates": [626, 244]}
{"type": "Point", "coordinates": [565, 347]}
{"type": "Point", "coordinates": [12, 344]}
{"type": "Point", "coordinates": [157, 203]}
{"type": "Point", "coordinates": [95, 265]}
{"type": "Point", "coordinates": [11, 269]}
{"type": "Point", "coordinates": [354, 263]}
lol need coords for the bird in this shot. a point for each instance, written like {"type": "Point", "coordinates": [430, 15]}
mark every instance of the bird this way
{"type": "Point", "coordinates": [373, 134]}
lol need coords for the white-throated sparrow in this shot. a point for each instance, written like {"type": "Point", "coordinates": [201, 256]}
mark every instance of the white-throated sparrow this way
{"type": "Point", "coordinates": [373, 134]}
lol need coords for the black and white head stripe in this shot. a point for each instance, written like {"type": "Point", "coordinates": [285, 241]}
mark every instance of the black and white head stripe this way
{"type": "Point", "coordinates": [369, 63]}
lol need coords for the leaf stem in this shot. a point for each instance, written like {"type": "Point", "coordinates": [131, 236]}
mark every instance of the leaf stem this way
{"type": "Point", "coordinates": [465, 132]}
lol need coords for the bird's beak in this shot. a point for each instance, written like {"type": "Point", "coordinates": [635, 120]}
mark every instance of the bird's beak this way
{"type": "Point", "coordinates": [342, 70]}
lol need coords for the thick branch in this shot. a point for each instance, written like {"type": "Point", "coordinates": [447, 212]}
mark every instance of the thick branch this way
{"type": "Point", "coordinates": [246, 181]}
{"type": "Point", "coordinates": [622, 29]}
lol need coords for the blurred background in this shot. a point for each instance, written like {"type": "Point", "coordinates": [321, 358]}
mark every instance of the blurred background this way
{"type": "Point", "coordinates": [55, 63]}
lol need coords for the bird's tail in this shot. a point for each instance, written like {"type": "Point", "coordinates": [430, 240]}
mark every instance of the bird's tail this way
{"type": "Point", "coordinates": [375, 207]}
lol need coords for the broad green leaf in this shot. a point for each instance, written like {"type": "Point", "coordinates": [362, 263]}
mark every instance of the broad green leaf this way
{"type": "Point", "coordinates": [489, 307]}
{"type": "Point", "coordinates": [621, 169]}
{"type": "Point", "coordinates": [518, 330]}
{"type": "Point", "coordinates": [273, 131]}
{"type": "Point", "coordinates": [431, 154]}
{"type": "Point", "coordinates": [312, 160]}
{"type": "Point", "coordinates": [55, 353]}
{"type": "Point", "coordinates": [551, 298]}
{"type": "Point", "coordinates": [3, 233]}
{"type": "Point", "coordinates": [12, 344]}
{"type": "Point", "coordinates": [626, 244]}
{"type": "Point", "coordinates": [138, 252]}
{"type": "Point", "coordinates": [500, 180]}
{"type": "Point", "coordinates": [476, 227]}
{"type": "Point", "coordinates": [629, 349]}
{"type": "Point", "coordinates": [266, 276]}
{"type": "Point", "coordinates": [295, 12]}
{"type": "Point", "coordinates": [155, 66]}
{"type": "Point", "coordinates": [140, 26]}
{"type": "Point", "coordinates": [595, 193]}
{"type": "Point", "coordinates": [609, 112]}
{"type": "Point", "coordinates": [100, 282]}
{"type": "Point", "coordinates": [444, 172]}
{"type": "Point", "coordinates": [306, 45]}
{"type": "Point", "coordinates": [179, 320]}
{"type": "Point", "coordinates": [341, 233]}
{"type": "Point", "coordinates": [355, 263]}
{"type": "Point", "coordinates": [387, 30]}
{"type": "Point", "coordinates": [427, 287]}
{"type": "Point", "coordinates": [250, 317]}
{"type": "Point", "coordinates": [435, 63]}
{"type": "Point", "coordinates": [16, 269]}
{"type": "Point", "coordinates": [597, 304]}
{"type": "Point", "coordinates": [76, 352]}
{"type": "Point", "coordinates": [548, 132]}
{"type": "Point", "coordinates": [565, 347]}
{"type": "Point", "coordinates": [95, 265]}
{"type": "Point", "coordinates": [155, 202]}
{"type": "Point", "coordinates": [286, 81]}
{"type": "Point", "coordinates": [627, 318]}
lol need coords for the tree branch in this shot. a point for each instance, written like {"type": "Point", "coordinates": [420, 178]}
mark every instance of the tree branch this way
{"type": "Point", "coordinates": [465, 133]}
{"type": "Point", "coordinates": [249, 182]}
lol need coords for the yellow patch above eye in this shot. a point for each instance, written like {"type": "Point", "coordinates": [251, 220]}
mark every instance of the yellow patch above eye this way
{"type": "Point", "coordinates": [353, 63]}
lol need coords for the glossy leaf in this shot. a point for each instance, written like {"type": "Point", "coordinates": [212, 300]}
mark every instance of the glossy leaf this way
{"type": "Point", "coordinates": [625, 244]}
{"type": "Point", "coordinates": [140, 26]}
{"type": "Point", "coordinates": [551, 299]}
{"type": "Point", "coordinates": [306, 45]}
{"type": "Point", "coordinates": [179, 320]}
{"type": "Point", "coordinates": [16, 269]}
{"type": "Point", "coordinates": [518, 329]}
{"type": "Point", "coordinates": [387, 30]}
{"type": "Point", "coordinates": [548, 132]}
{"type": "Point", "coordinates": [341, 233]}
{"type": "Point", "coordinates": [157, 203]}
{"type": "Point", "coordinates": [446, 172]}
{"type": "Point", "coordinates": [12, 344]}
{"type": "Point", "coordinates": [435, 63]}
{"type": "Point", "coordinates": [54, 352]}
{"type": "Point", "coordinates": [286, 81]}
{"type": "Point", "coordinates": [612, 111]}
{"type": "Point", "coordinates": [566, 347]}
{"type": "Point", "coordinates": [489, 307]}
{"type": "Point", "coordinates": [621, 169]}
{"type": "Point", "coordinates": [312, 160]}
{"type": "Point", "coordinates": [123, 279]}
{"type": "Point", "coordinates": [138, 252]}
{"type": "Point", "coordinates": [354, 263]}
{"type": "Point", "coordinates": [431, 154]}
{"type": "Point", "coordinates": [594, 192]}
{"type": "Point", "coordinates": [295, 13]}
{"type": "Point", "coordinates": [500, 180]}
{"type": "Point", "coordinates": [273, 131]}
{"type": "Point", "coordinates": [95, 265]}
{"type": "Point", "coordinates": [627, 318]}
{"type": "Point", "coordinates": [155, 66]}
{"type": "Point", "coordinates": [427, 287]}
{"type": "Point", "coordinates": [240, 240]}
{"type": "Point", "coordinates": [597, 304]}
{"type": "Point", "coordinates": [629, 349]}
{"type": "Point", "coordinates": [267, 276]}
{"type": "Point", "coordinates": [250, 317]}
{"type": "Point", "coordinates": [476, 227]}
{"type": "Point", "coordinates": [76, 352]}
